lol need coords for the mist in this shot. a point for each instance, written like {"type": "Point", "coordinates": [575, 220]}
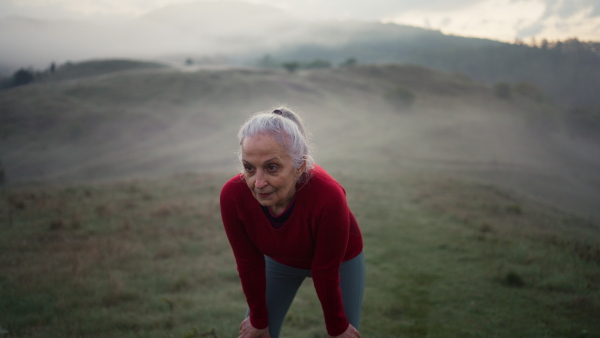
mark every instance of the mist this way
{"type": "Point", "coordinates": [150, 123]}
{"type": "Point", "coordinates": [84, 123]}
{"type": "Point", "coordinates": [201, 30]}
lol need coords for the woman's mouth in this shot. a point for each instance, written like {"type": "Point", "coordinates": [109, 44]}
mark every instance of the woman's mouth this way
{"type": "Point", "coordinates": [263, 195]}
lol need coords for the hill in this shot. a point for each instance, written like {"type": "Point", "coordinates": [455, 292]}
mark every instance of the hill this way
{"type": "Point", "coordinates": [71, 71]}
{"type": "Point", "coordinates": [565, 70]}
{"type": "Point", "coordinates": [243, 34]}
{"type": "Point", "coordinates": [200, 29]}
{"type": "Point", "coordinates": [478, 208]}
{"type": "Point", "coordinates": [158, 122]}
{"type": "Point", "coordinates": [74, 71]}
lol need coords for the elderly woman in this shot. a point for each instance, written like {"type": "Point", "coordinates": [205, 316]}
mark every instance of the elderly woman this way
{"type": "Point", "coordinates": [287, 219]}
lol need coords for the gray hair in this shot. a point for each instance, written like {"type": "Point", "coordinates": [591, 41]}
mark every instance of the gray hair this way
{"type": "Point", "coordinates": [287, 129]}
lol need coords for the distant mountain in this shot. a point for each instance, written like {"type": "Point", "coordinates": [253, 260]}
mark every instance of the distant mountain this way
{"type": "Point", "coordinates": [568, 71]}
{"type": "Point", "coordinates": [242, 34]}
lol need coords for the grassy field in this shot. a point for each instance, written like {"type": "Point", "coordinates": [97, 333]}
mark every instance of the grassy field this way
{"type": "Point", "coordinates": [446, 257]}
{"type": "Point", "coordinates": [100, 237]}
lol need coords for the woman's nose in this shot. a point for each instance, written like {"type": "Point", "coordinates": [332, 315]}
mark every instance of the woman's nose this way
{"type": "Point", "coordinates": [260, 181]}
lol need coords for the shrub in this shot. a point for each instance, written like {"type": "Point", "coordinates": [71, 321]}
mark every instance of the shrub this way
{"type": "Point", "coordinates": [291, 66]}
{"type": "Point", "coordinates": [400, 97]}
{"type": "Point", "coordinates": [514, 280]}
{"type": "Point", "coordinates": [318, 63]}
{"type": "Point", "coordinates": [349, 62]}
{"type": "Point", "coordinates": [22, 77]}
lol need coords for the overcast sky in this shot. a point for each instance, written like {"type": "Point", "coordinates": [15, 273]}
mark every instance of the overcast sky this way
{"type": "Point", "coordinates": [503, 20]}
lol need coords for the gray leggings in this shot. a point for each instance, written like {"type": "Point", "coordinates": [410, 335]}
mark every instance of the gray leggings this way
{"type": "Point", "coordinates": [283, 283]}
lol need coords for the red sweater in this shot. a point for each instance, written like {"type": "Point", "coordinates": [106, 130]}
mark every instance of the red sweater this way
{"type": "Point", "coordinates": [320, 234]}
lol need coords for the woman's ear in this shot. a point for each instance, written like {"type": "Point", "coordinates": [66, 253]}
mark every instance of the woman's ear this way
{"type": "Point", "coordinates": [302, 168]}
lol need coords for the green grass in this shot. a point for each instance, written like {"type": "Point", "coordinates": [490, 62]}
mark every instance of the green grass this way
{"type": "Point", "coordinates": [452, 264]}
{"type": "Point", "coordinates": [148, 258]}
{"type": "Point", "coordinates": [126, 259]}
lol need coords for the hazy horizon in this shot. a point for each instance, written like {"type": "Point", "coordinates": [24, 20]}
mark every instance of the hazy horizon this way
{"type": "Point", "coordinates": [36, 33]}
{"type": "Point", "coordinates": [502, 20]}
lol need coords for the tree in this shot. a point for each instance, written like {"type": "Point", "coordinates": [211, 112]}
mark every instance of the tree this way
{"type": "Point", "coordinates": [291, 66]}
{"type": "Point", "coordinates": [22, 77]}
{"type": "Point", "coordinates": [400, 98]}
{"type": "Point", "coordinates": [349, 62]}
{"type": "Point", "coordinates": [533, 42]}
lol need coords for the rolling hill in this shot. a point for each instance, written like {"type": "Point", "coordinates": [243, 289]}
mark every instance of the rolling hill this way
{"type": "Point", "coordinates": [160, 121]}
{"type": "Point", "coordinates": [71, 71]}
{"type": "Point", "coordinates": [239, 33]}
{"type": "Point", "coordinates": [478, 206]}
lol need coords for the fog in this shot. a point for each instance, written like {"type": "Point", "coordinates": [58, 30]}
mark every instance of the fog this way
{"type": "Point", "coordinates": [76, 31]}
{"type": "Point", "coordinates": [172, 120]}
{"type": "Point", "coordinates": [162, 122]}
{"type": "Point", "coordinates": [201, 30]}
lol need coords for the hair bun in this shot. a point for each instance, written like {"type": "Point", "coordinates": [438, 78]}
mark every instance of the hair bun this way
{"type": "Point", "coordinates": [290, 115]}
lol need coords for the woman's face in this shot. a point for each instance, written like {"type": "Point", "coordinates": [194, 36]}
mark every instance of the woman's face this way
{"type": "Point", "coordinates": [269, 172]}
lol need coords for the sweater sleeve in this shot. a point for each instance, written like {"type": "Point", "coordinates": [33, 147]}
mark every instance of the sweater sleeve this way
{"type": "Point", "coordinates": [331, 240]}
{"type": "Point", "coordinates": [250, 261]}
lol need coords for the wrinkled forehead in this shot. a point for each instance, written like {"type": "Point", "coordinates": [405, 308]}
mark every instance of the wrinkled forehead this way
{"type": "Point", "coordinates": [281, 138]}
{"type": "Point", "coordinates": [262, 146]}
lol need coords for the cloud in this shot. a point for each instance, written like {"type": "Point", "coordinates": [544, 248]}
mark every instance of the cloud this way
{"type": "Point", "coordinates": [362, 10]}
{"type": "Point", "coordinates": [567, 9]}
{"type": "Point", "coordinates": [308, 9]}
{"type": "Point", "coordinates": [510, 19]}
{"type": "Point", "coordinates": [565, 19]}
{"type": "Point", "coordinates": [584, 25]}
{"type": "Point", "coordinates": [497, 19]}
{"type": "Point", "coordinates": [81, 8]}
{"type": "Point", "coordinates": [534, 29]}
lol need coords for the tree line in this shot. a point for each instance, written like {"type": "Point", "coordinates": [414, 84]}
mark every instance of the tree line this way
{"type": "Point", "coordinates": [567, 70]}
{"type": "Point", "coordinates": [24, 76]}
{"type": "Point", "coordinates": [291, 66]}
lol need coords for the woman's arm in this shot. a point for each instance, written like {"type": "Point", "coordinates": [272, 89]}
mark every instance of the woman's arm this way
{"type": "Point", "coordinates": [330, 247]}
{"type": "Point", "coordinates": [250, 261]}
{"type": "Point", "coordinates": [249, 331]}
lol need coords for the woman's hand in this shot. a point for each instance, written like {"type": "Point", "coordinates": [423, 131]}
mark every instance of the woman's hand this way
{"type": "Point", "coordinates": [350, 332]}
{"type": "Point", "coordinates": [248, 331]}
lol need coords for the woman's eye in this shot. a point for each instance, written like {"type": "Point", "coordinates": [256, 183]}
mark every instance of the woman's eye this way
{"type": "Point", "coordinates": [272, 167]}
{"type": "Point", "coordinates": [248, 168]}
